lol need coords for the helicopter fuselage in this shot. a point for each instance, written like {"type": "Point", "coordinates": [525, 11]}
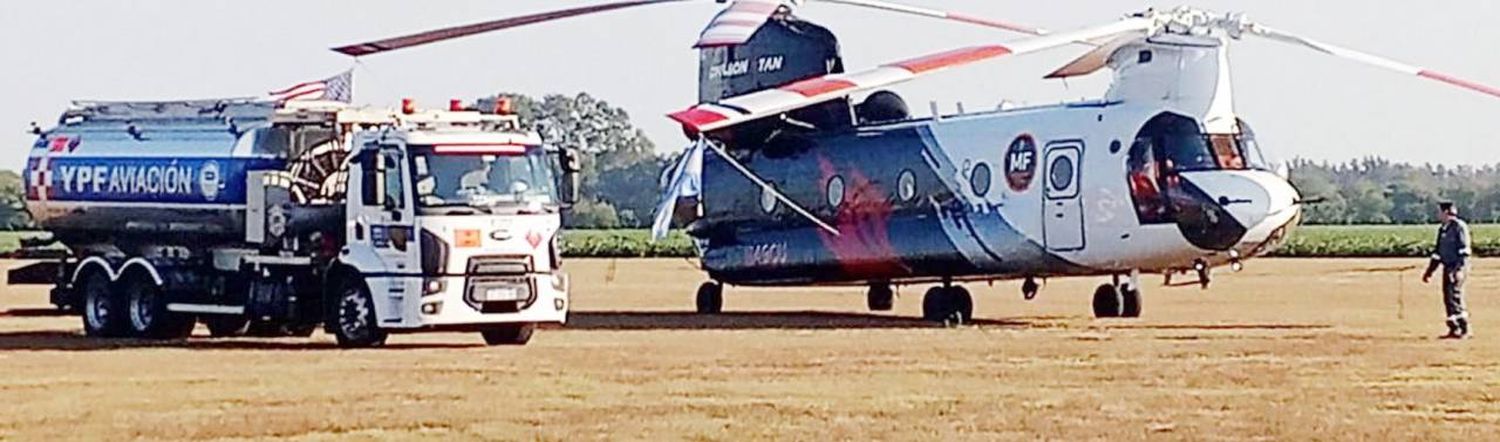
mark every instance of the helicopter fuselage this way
{"type": "Point", "coordinates": [1092, 188]}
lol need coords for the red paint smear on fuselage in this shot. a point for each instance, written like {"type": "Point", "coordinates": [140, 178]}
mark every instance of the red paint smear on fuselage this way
{"type": "Point", "coordinates": [863, 247]}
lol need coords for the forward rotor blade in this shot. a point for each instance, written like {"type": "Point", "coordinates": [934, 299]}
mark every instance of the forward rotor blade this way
{"type": "Point", "coordinates": [964, 18]}
{"type": "Point", "coordinates": [1094, 60]}
{"type": "Point", "coordinates": [418, 39]}
{"type": "Point", "coordinates": [735, 110]}
{"type": "Point", "coordinates": [1287, 37]}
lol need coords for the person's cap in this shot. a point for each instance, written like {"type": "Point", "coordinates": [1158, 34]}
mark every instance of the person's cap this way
{"type": "Point", "coordinates": [1446, 206]}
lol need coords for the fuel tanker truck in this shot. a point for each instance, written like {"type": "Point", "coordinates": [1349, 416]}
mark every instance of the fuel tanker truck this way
{"type": "Point", "coordinates": [273, 219]}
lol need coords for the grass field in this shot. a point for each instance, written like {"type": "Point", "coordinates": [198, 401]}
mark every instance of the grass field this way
{"type": "Point", "coordinates": [1288, 349]}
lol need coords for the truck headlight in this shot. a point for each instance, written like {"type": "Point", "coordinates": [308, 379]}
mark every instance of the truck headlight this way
{"type": "Point", "coordinates": [434, 254]}
{"type": "Point", "coordinates": [433, 286]}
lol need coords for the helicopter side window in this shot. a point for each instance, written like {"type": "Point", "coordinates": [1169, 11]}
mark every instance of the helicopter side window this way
{"type": "Point", "coordinates": [1144, 177]}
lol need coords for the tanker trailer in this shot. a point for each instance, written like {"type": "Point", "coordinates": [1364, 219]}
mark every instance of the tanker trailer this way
{"type": "Point", "coordinates": [273, 219]}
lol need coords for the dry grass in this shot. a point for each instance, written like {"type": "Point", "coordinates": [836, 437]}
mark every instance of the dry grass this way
{"type": "Point", "coordinates": [1289, 349]}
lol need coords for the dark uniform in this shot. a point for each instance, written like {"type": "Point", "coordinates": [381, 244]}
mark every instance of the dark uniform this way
{"type": "Point", "coordinates": [1452, 254]}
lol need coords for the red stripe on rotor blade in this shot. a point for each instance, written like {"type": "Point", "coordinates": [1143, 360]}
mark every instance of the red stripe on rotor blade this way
{"type": "Point", "coordinates": [951, 58]}
{"type": "Point", "coordinates": [719, 23]}
{"type": "Point", "coordinates": [753, 7]}
{"type": "Point", "coordinates": [995, 24]}
{"type": "Point", "coordinates": [818, 86]}
{"type": "Point", "coordinates": [1466, 84]}
{"type": "Point", "coordinates": [696, 118]}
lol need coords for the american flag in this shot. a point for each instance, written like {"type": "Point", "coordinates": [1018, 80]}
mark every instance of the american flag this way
{"type": "Point", "coordinates": [336, 88]}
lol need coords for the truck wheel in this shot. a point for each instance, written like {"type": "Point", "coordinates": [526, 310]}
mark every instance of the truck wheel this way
{"type": "Point", "coordinates": [355, 322]}
{"type": "Point", "coordinates": [510, 334]}
{"type": "Point", "coordinates": [226, 326]}
{"type": "Point", "coordinates": [103, 313]}
{"type": "Point", "coordinates": [146, 307]}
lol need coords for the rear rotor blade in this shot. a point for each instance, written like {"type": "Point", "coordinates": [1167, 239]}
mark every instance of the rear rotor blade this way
{"type": "Point", "coordinates": [418, 39]}
{"type": "Point", "coordinates": [731, 111]}
{"type": "Point", "coordinates": [1287, 37]}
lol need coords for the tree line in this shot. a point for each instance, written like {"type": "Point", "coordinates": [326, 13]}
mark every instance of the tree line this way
{"type": "Point", "coordinates": [1379, 191]}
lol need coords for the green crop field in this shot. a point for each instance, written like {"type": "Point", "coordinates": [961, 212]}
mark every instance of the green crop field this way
{"type": "Point", "coordinates": [1380, 241]}
{"type": "Point", "coordinates": [1307, 241]}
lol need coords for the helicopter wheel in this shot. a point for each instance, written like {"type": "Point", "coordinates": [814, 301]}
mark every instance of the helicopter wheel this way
{"type": "Point", "coordinates": [710, 298]}
{"type": "Point", "coordinates": [948, 305]}
{"type": "Point", "coordinates": [880, 298]}
{"type": "Point", "coordinates": [1130, 302]}
{"type": "Point", "coordinates": [1108, 301]}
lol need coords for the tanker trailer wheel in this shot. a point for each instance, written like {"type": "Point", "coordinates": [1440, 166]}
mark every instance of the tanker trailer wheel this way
{"type": "Point", "coordinates": [509, 334]}
{"type": "Point", "coordinates": [146, 306]}
{"type": "Point", "coordinates": [103, 309]}
{"type": "Point", "coordinates": [355, 324]}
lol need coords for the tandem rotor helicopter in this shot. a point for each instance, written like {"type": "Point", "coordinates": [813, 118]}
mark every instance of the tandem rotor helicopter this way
{"type": "Point", "coordinates": [791, 182]}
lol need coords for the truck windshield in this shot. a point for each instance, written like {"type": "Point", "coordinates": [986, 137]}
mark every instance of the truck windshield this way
{"type": "Point", "coordinates": [485, 181]}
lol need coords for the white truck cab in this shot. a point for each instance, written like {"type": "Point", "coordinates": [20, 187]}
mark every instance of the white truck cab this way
{"type": "Point", "coordinates": [453, 224]}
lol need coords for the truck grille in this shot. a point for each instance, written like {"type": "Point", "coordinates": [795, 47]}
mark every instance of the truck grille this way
{"type": "Point", "coordinates": [500, 265]}
{"type": "Point", "coordinates": [500, 294]}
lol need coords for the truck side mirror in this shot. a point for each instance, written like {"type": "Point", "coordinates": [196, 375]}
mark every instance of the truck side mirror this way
{"type": "Point", "coordinates": [570, 161]}
{"type": "Point", "coordinates": [569, 187]}
{"type": "Point", "coordinates": [571, 165]}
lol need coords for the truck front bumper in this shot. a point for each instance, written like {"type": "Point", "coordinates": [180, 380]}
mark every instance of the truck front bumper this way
{"type": "Point", "coordinates": [455, 301]}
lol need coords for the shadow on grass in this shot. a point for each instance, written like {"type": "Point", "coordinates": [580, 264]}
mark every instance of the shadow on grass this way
{"type": "Point", "coordinates": [1222, 326]}
{"type": "Point", "coordinates": [35, 312]}
{"type": "Point", "coordinates": [802, 320]}
{"type": "Point", "coordinates": [73, 341]}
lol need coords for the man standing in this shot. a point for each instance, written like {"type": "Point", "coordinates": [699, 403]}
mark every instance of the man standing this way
{"type": "Point", "coordinates": [1453, 254]}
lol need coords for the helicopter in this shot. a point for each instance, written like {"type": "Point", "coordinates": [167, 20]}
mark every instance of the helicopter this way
{"type": "Point", "coordinates": [791, 181]}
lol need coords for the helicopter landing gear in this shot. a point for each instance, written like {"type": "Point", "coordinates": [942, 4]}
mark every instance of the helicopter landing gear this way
{"type": "Point", "coordinates": [949, 304]}
{"type": "Point", "coordinates": [880, 298]}
{"type": "Point", "coordinates": [1119, 299]}
{"type": "Point", "coordinates": [1030, 288]}
{"type": "Point", "coordinates": [710, 298]}
{"type": "Point", "coordinates": [1205, 274]}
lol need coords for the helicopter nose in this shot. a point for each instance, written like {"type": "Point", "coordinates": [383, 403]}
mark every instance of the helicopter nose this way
{"type": "Point", "coordinates": [1261, 201]}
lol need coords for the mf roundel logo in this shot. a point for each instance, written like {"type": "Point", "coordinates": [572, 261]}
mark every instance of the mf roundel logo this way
{"type": "Point", "coordinates": [1020, 163]}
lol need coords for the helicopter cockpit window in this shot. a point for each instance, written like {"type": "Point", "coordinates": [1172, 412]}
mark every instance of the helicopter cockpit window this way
{"type": "Point", "coordinates": [1228, 151]}
{"type": "Point", "coordinates": [1185, 152]}
{"type": "Point", "coordinates": [1251, 148]}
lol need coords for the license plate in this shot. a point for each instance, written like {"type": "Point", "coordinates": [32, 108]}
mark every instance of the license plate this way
{"type": "Point", "coordinates": [502, 294]}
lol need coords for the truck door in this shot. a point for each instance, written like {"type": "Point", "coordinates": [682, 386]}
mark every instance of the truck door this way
{"type": "Point", "coordinates": [383, 241]}
{"type": "Point", "coordinates": [1063, 228]}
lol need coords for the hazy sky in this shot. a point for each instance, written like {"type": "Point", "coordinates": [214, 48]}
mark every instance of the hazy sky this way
{"type": "Point", "coordinates": [1301, 103]}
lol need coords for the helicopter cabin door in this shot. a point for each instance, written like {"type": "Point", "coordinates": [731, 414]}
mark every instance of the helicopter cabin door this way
{"type": "Point", "coordinates": [1062, 229]}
